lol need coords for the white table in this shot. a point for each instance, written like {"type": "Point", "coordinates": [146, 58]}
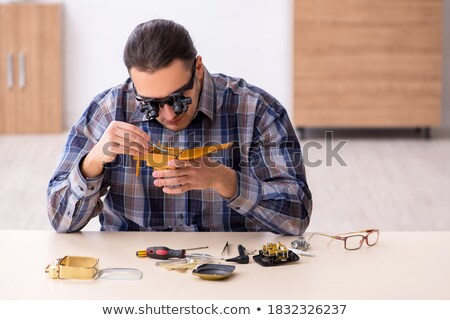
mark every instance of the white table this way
{"type": "Point", "coordinates": [403, 265]}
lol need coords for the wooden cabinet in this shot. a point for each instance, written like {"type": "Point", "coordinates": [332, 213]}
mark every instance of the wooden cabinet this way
{"type": "Point", "coordinates": [30, 68]}
{"type": "Point", "coordinates": [367, 63]}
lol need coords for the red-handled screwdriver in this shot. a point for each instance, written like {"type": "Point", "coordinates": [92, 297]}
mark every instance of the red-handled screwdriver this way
{"type": "Point", "coordinates": [164, 253]}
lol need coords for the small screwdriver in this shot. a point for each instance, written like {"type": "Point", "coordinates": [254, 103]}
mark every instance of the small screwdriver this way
{"type": "Point", "coordinates": [163, 253]}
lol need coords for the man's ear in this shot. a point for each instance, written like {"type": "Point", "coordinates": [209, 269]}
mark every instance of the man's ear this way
{"type": "Point", "coordinates": [199, 68]}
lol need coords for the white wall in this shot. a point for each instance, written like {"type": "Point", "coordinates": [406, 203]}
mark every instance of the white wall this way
{"type": "Point", "coordinates": [246, 38]}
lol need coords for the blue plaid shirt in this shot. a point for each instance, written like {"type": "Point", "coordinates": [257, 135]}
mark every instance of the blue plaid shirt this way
{"type": "Point", "coordinates": [272, 193]}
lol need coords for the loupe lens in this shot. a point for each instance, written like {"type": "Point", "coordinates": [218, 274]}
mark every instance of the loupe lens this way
{"type": "Point", "coordinates": [177, 109]}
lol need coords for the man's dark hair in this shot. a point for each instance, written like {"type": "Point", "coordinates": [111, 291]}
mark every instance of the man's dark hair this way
{"type": "Point", "coordinates": [156, 43]}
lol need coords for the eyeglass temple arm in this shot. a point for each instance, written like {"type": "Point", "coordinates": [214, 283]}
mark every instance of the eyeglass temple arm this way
{"type": "Point", "coordinates": [323, 234]}
{"type": "Point", "coordinates": [361, 231]}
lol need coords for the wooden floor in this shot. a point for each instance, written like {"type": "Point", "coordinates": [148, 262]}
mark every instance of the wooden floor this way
{"type": "Point", "coordinates": [394, 183]}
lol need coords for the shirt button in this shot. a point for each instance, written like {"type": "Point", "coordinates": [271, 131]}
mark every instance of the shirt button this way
{"type": "Point", "coordinates": [81, 188]}
{"type": "Point", "coordinates": [180, 216]}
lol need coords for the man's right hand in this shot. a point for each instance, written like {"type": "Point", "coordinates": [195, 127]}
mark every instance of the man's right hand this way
{"type": "Point", "coordinates": [119, 138]}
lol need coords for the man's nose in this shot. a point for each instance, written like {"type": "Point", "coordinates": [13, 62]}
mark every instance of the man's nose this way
{"type": "Point", "coordinates": [167, 112]}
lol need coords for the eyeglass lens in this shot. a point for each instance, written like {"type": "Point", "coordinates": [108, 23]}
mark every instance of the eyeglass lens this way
{"type": "Point", "coordinates": [354, 242]}
{"type": "Point", "coordinates": [372, 238]}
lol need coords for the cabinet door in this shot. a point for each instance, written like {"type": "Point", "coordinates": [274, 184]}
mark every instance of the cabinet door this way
{"type": "Point", "coordinates": [30, 68]}
{"type": "Point", "coordinates": [8, 72]}
{"type": "Point", "coordinates": [39, 68]}
{"type": "Point", "coordinates": [366, 63]}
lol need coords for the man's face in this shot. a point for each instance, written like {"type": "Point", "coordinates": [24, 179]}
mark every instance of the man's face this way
{"type": "Point", "coordinates": [164, 82]}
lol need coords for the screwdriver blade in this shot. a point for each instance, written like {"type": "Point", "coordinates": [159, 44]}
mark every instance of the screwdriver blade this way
{"type": "Point", "coordinates": [198, 248]}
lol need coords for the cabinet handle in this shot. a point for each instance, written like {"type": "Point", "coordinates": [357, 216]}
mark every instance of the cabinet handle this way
{"type": "Point", "coordinates": [9, 71]}
{"type": "Point", "coordinates": [22, 70]}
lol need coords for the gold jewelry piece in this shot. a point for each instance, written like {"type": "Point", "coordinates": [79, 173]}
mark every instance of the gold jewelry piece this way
{"type": "Point", "coordinates": [71, 267]}
{"type": "Point", "coordinates": [159, 155]}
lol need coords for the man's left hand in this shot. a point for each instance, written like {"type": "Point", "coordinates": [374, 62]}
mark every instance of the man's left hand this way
{"type": "Point", "coordinates": [197, 174]}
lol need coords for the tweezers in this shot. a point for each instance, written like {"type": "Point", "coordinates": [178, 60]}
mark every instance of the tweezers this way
{"type": "Point", "coordinates": [225, 249]}
{"type": "Point", "coordinates": [162, 149]}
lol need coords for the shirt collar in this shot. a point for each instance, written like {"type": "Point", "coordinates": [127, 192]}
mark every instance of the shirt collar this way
{"type": "Point", "coordinates": [207, 102]}
{"type": "Point", "coordinates": [208, 98]}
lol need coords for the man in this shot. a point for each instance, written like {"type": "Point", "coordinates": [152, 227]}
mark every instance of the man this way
{"type": "Point", "coordinates": [258, 185]}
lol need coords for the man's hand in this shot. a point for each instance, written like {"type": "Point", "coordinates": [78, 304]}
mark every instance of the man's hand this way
{"type": "Point", "coordinates": [119, 138]}
{"type": "Point", "coordinates": [198, 174]}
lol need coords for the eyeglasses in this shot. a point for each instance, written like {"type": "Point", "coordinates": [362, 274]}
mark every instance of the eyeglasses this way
{"type": "Point", "coordinates": [176, 100]}
{"type": "Point", "coordinates": [354, 241]}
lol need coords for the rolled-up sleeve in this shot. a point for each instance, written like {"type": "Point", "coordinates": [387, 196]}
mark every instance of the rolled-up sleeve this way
{"type": "Point", "coordinates": [72, 200]}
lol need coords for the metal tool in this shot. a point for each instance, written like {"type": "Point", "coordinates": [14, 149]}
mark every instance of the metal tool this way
{"type": "Point", "coordinates": [163, 263]}
{"type": "Point", "coordinates": [163, 150]}
{"type": "Point", "coordinates": [242, 258]}
{"type": "Point", "coordinates": [225, 249]}
{"type": "Point", "coordinates": [196, 248]}
{"type": "Point", "coordinates": [300, 243]}
{"type": "Point", "coordinates": [164, 253]}
{"type": "Point", "coordinates": [186, 263]}
{"type": "Point", "coordinates": [182, 264]}
{"type": "Point", "coordinates": [302, 253]}
{"type": "Point", "coordinates": [203, 256]}
{"type": "Point", "coordinates": [193, 257]}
